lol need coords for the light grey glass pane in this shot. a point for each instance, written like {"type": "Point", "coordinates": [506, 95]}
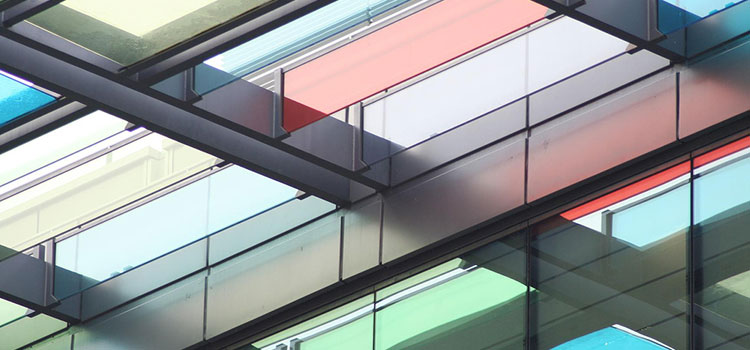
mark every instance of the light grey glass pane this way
{"type": "Point", "coordinates": [565, 47]}
{"type": "Point", "coordinates": [171, 318]}
{"type": "Point", "coordinates": [451, 97]}
{"type": "Point", "coordinates": [722, 256]}
{"type": "Point", "coordinates": [273, 275]}
{"type": "Point", "coordinates": [265, 226]}
{"type": "Point", "coordinates": [585, 277]}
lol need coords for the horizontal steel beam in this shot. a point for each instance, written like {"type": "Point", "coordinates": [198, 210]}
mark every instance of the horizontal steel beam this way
{"type": "Point", "coordinates": [40, 121]}
{"type": "Point", "coordinates": [26, 9]}
{"type": "Point", "coordinates": [187, 124]}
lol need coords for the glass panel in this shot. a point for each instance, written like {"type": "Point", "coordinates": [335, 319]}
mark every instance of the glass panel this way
{"type": "Point", "coordinates": [396, 53]}
{"type": "Point", "coordinates": [478, 304]}
{"type": "Point", "coordinates": [613, 338]}
{"type": "Point", "coordinates": [565, 47]}
{"type": "Point", "coordinates": [18, 97]}
{"type": "Point", "coordinates": [26, 330]}
{"type": "Point", "coordinates": [722, 253]}
{"type": "Point", "coordinates": [703, 8]}
{"type": "Point", "coordinates": [162, 225]}
{"type": "Point", "coordinates": [129, 31]}
{"type": "Point", "coordinates": [442, 101]}
{"type": "Point", "coordinates": [300, 34]}
{"type": "Point", "coordinates": [10, 312]}
{"type": "Point", "coordinates": [617, 260]}
{"type": "Point", "coordinates": [344, 328]}
{"type": "Point", "coordinates": [55, 145]}
{"type": "Point", "coordinates": [95, 188]}
{"type": "Point", "coordinates": [677, 14]}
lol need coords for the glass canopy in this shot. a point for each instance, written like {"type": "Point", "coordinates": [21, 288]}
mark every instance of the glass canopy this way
{"type": "Point", "coordinates": [18, 97]}
{"type": "Point", "coordinates": [129, 31]}
{"type": "Point", "coordinates": [614, 338]}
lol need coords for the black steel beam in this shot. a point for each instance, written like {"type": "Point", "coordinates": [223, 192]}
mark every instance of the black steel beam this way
{"type": "Point", "coordinates": [141, 105]}
{"type": "Point", "coordinates": [25, 10]}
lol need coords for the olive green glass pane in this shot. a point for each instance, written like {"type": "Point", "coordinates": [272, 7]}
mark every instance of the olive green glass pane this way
{"type": "Point", "coordinates": [10, 311]}
{"type": "Point", "coordinates": [26, 330]}
{"type": "Point", "coordinates": [129, 31]}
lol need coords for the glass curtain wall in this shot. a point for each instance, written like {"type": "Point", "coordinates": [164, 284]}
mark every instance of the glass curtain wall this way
{"type": "Point", "coordinates": [631, 269]}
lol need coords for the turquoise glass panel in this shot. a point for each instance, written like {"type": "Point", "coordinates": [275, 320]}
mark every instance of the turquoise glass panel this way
{"type": "Point", "coordinates": [163, 225]}
{"type": "Point", "coordinates": [300, 34]}
{"type": "Point", "coordinates": [17, 99]}
{"type": "Point", "coordinates": [655, 219]}
{"type": "Point", "coordinates": [677, 14]}
{"type": "Point", "coordinates": [611, 339]}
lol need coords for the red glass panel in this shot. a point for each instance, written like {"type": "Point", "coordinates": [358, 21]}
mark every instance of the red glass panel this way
{"type": "Point", "coordinates": [400, 51]}
{"type": "Point", "coordinates": [722, 152]}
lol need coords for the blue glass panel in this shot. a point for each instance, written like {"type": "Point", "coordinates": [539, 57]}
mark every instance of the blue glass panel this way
{"type": "Point", "coordinates": [300, 34]}
{"type": "Point", "coordinates": [17, 99]}
{"type": "Point", "coordinates": [677, 14]}
{"type": "Point", "coordinates": [655, 219]}
{"type": "Point", "coordinates": [610, 338]}
{"type": "Point", "coordinates": [163, 225]}
{"type": "Point", "coordinates": [703, 8]}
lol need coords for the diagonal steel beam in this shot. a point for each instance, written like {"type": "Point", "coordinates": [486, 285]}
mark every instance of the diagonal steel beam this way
{"type": "Point", "coordinates": [141, 105]}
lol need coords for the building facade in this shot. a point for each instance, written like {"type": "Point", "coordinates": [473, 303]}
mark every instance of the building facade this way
{"type": "Point", "coordinates": [374, 174]}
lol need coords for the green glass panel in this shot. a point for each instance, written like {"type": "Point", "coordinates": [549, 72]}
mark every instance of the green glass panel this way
{"type": "Point", "coordinates": [129, 31]}
{"type": "Point", "coordinates": [10, 312]}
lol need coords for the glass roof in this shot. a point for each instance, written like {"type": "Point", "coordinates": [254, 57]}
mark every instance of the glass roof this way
{"type": "Point", "coordinates": [300, 34]}
{"type": "Point", "coordinates": [18, 97]}
{"type": "Point", "coordinates": [129, 31]}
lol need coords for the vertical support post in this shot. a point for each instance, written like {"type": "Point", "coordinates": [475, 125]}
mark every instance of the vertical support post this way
{"type": "Point", "coordinates": [355, 117]}
{"type": "Point", "coordinates": [278, 130]}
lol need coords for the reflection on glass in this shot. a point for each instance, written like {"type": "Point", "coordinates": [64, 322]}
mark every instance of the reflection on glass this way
{"type": "Point", "coordinates": [722, 253]}
{"type": "Point", "coordinates": [474, 302]}
{"type": "Point", "coordinates": [299, 34]}
{"type": "Point", "coordinates": [57, 144]}
{"type": "Point", "coordinates": [96, 187]}
{"type": "Point", "coordinates": [677, 14]}
{"type": "Point", "coordinates": [618, 260]}
{"type": "Point", "coordinates": [162, 225]}
{"type": "Point", "coordinates": [18, 97]}
{"type": "Point", "coordinates": [613, 338]}
{"type": "Point", "coordinates": [129, 31]}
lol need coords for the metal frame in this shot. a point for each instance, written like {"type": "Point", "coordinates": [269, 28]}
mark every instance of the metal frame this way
{"type": "Point", "coordinates": [181, 121]}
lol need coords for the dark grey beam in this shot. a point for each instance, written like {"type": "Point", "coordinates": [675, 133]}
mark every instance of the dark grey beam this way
{"type": "Point", "coordinates": [25, 10]}
{"type": "Point", "coordinates": [187, 124]}
{"type": "Point", "coordinates": [25, 279]}
{"type": "Point", "coordinates": [634, 21]}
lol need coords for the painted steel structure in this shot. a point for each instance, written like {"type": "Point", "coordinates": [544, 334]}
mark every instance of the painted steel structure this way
{"type": "Point", "coordinates": [515, 149]}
